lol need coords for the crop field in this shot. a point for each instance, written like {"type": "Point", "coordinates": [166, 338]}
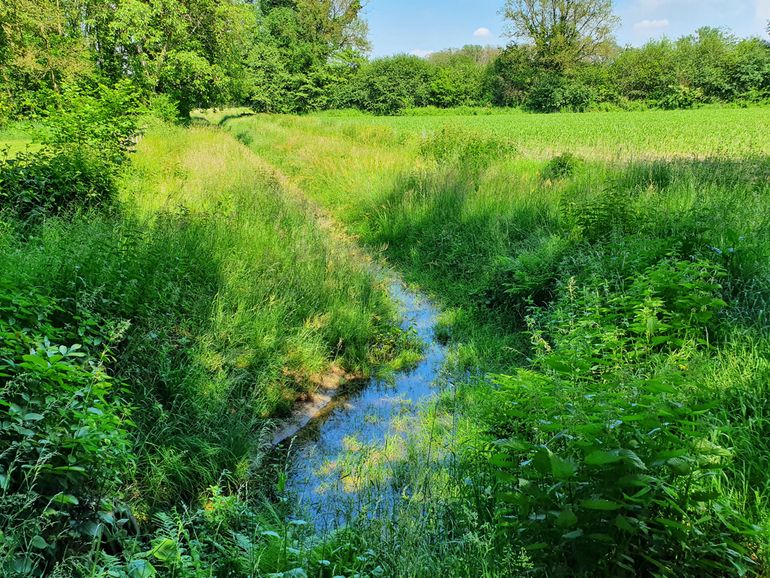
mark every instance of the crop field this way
{"type": "Point", "coordinates": [607, 279]}
{"type": "Point", "coordinates": [723, 132]}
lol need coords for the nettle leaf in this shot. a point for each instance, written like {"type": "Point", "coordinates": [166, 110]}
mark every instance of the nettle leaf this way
{"type": "Point", "coordinates": [679, 466]}
{"type": "Point", "coordinates": [659, 386]}
{"type": "Point", "coordinates": [542, 461]}
{"type": "Point", "coordinates": [562, 469]}
{"type": "Point", "coordinates": [603, 458]}
{"type": "Point", "coordinates": [632, 459]}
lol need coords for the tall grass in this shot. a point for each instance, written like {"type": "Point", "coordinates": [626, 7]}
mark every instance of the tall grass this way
{"type": "Point", "coordinates": [218, 298]}
{"type": "Point", "coordinates": [625, 303]}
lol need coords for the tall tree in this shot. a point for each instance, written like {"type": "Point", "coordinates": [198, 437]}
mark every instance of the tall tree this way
{"type": "Point", "coordinates": [563, 32]}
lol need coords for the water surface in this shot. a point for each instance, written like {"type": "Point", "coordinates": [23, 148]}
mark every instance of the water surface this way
{"type": "Point", "coordinates": [361, 436]}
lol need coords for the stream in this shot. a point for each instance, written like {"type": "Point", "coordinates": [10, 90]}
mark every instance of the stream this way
{"type": "Point", "coordinates": [361, 435]}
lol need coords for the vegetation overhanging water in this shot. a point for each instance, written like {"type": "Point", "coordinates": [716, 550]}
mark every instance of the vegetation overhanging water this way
{"type": "Point", "coordinates": [326, 458]}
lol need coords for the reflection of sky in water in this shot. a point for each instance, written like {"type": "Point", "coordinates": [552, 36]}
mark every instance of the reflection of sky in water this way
{"type": "Point", "coordinates": [363, 432]}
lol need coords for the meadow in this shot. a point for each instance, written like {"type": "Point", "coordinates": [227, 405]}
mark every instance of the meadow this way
{"type": "Point", "coordinates": [605, 287]}
{"type": "Point", "coordinates": [603, 282]}
{"type": "Point", "coordinates": [152, 332]}
{"type": "Point", "coordinates": [649, 134]}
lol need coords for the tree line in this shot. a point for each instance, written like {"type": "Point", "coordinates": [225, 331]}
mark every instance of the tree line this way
{"type": "Point", "coordinates": [304, 55]}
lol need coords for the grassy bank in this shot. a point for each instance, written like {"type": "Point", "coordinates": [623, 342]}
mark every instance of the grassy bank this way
{"type": "Point", "coordinates": [615, 301]}
{"type": "Point", "coordinates": [147, 344]}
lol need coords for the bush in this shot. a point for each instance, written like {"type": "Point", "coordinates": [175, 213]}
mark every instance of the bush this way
{"type": "Point", "coordinates": [88, 133]}
{"type": "Point", "coordinates": [98, 118]}
{"type": "Point", "coordinates": [578, 97]}
{"type": "Point", "coordinates": [64, 439]}
{"type": "Point", "coordinates": [390, 85]}
{"type": "Point", "coordinates": [560, 167]}
{"type": "Point", "coordinates": [680, 97]}
{"type": "Point", "coordinates": [547, 94]}
{"type": "Point", "coordinates": [52, 182]}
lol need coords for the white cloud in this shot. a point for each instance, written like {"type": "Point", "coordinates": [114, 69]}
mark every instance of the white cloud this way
{"type": "Point", "coordinates": [421, 53]}
{"type": "Point", "coordinates": [650, 25]}
{"type": "Point", "coordinates": [482, 32]}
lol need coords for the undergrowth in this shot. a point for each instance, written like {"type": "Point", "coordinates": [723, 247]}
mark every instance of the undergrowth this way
{"type": "Point", "coordinates": [613, 319]}
{"type": "Point", "coordinates": [151, 332]}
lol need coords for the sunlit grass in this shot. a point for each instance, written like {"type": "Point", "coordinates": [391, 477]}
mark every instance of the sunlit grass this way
{"type": "Point", "coordinates": [485, 237]}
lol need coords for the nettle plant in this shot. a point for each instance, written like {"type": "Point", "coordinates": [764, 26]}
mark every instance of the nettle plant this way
{"type": "Point", "coordinates": [64, 443]}
{"type": "Point", "coordinates": [603, 448]}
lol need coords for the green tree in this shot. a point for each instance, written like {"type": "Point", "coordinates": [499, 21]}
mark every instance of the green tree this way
{"type": "Point", "coordinates": [389, 85]}
{"type": "Point", "coordinates": [564, 33]}
{"type": "Point", "coordinates": [510, 77]}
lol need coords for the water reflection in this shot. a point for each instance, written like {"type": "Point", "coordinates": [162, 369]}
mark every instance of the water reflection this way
{"type": "Point", "coordinates": [342, 464]}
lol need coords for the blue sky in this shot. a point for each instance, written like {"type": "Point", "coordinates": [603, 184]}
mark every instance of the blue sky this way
{"type": "Point", "coordinates": [422, 26]}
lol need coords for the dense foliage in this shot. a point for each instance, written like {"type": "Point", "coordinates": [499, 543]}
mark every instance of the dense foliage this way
{"type": "Point", "coordinates": [305, 55]}
{"type": "Point", "coordinates": [154, 317]}
{"type": "Point", "coordinates": [274, 55]}
{"type": "Point", "coordinates": [608, 411]}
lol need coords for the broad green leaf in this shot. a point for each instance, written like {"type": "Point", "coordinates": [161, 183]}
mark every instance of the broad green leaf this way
{"type": "Point", "coordinates": [658, 386]}
{"type": "Point", "coordinates": [165, 550]}
{"type": "Point", "coordinates": [141, 569]}
{"type": "Point", "coordinates": [542, 461]}
{"type": "Point", "coordinates": [502, 461]}
{"type": "Point", "coordinates": [562, 469]}
{"type": "Point", "coordinates": [38, 542]}
{"type": "Point", "coordinates": [679, 466]}
{"type": "Point", "coordinates": [632, 459]}
{"type": "Point", "coordinates": [65, 499]}
{"type": "Point", "coordinates": [566, 519]}
{"type": "Point", "coordinates": [602, 458]}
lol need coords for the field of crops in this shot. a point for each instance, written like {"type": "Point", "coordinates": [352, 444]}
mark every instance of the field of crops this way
{"type": "Point", "coordinates": [729, 132]}
{"type": "Point", "coordinates": [605, 282]}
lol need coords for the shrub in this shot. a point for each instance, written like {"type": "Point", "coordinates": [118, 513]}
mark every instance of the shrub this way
{"type": "Point", "coordinates": [390, 85]}
{"type": "Point", "coordinates": [64, 440]}
{"type": "Point", "coordinates": [560, 167]}
{"type": "Point", "coordinates": [604, 454]}
{"type": "Point", "coordinates": [51, 182]}
{"type": "Point", "coordinates": [679, 96]}
{"type": "Point", "coordinates": [547, 94]}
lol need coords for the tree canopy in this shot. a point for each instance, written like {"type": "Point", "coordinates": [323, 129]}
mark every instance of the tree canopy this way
{"type": "Point", "coordinates": [563, 32]}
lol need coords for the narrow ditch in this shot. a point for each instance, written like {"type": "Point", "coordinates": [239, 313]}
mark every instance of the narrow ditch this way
{"type": "Point", "coordinates": [342, 460]}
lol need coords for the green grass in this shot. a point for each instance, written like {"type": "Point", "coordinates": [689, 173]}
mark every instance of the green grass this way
{"type": "Point", "coordinates": [205, 302]}
{"type": "Point", "coordinates": [14, 140]}
{"type": "Point", "coordinates": [733, 133]}
{"type": "Point", "coordinates": [629, 279]}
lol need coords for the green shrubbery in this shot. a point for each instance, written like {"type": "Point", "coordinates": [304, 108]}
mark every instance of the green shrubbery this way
{"type": "Point", "coordinates": [154, 316]}
{"type": "Point", "coordinates": [622, 438]}
{"type": "Point", "coordinates": [88, 133]}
